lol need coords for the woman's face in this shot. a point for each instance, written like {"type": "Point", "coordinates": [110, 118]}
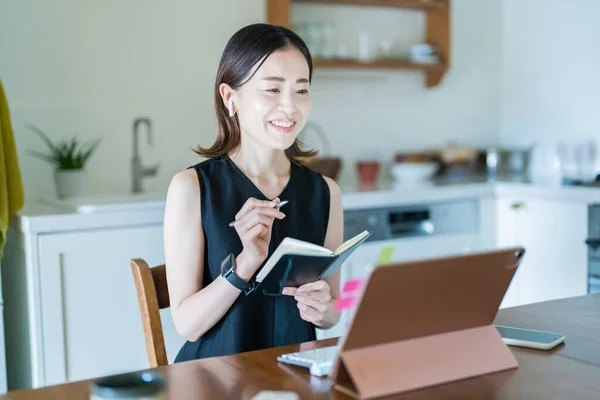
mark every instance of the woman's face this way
{"type": "Point", "coordinates": [273, 106]}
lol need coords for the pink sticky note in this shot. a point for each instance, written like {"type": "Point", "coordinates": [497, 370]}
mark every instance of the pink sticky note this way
{"type": "Point", "coordinates": [352, 285]}
{"type": "Point", "coordinates": [344, 303]}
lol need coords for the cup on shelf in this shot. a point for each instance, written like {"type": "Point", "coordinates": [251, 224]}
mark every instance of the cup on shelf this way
{"type": "Point", "coordinates": [364, 46]}
{"type": "Point", "coordinates": [314, 36]}
{"type": "Point", "coordinates": [318, 37]}
{"type": "Point", "coordinates": [327, 44]}
{"type": "Point", "coordinates": [424, 53]}
{"type": "Point", "coordinates": [385, 49]}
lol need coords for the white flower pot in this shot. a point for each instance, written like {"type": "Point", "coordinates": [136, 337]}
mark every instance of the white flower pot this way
{"type": "Point", "coordinates": [69, 182]}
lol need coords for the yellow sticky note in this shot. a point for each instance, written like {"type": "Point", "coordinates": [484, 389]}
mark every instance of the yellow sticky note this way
{"type": "Point", "coordinates": [385, 255]}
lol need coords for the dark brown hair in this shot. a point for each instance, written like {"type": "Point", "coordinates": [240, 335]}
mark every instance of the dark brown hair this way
{"type": "Point", "coordinates": [247, 47]}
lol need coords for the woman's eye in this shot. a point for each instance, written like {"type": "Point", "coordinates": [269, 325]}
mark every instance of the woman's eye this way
{"type": "Point", "coordinates": [273, 90]}
{"type": "Point", "coordinates": [303, 91]}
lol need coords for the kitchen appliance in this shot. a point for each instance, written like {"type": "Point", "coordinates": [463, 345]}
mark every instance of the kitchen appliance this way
{"type": "Point", "coordinates": [580, 182]}
{"type": "Point", "coordinates": [409, 232]}
{"type": "Point", "coordinates": [593, 243]}
{"type": "Point", "coordinates": [511, 160]}
{"type": "Point", "coordinates": [545, 165]}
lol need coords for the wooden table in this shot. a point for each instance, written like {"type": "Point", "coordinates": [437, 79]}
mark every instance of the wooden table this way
{"type": "Point", "coordinates": [570, 371]}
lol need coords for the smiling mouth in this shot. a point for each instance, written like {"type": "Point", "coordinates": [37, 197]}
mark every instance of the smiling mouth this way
{"type": "Point", "coordinates": [283, 125]}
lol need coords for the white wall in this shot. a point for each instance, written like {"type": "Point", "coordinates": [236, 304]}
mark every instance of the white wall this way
{"type": "Point", "coordinates": [91, 67]}
{"type": "Point", "coordinates": [551, 86]}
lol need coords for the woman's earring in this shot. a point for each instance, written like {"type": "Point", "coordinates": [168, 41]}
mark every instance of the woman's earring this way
{"type": "Point", "coordinates": [231, 107]}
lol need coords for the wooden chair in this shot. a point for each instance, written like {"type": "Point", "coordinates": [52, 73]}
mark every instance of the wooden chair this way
{"type": "Point", "coordinates": [153, 296]}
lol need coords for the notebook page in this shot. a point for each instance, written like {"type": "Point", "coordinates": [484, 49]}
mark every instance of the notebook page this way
{"type": "Point", "coordinates": [351, 242]}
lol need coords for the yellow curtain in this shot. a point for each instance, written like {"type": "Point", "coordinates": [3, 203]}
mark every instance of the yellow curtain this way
{"type": "Point", "coordinates": [12, 196]}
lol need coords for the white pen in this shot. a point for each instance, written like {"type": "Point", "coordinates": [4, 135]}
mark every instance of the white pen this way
{"type": "Point", "coordinates": [278, 205]}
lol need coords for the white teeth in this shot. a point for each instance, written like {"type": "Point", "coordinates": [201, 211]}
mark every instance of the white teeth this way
{"type": "Point", "coordinates": [283, 124]}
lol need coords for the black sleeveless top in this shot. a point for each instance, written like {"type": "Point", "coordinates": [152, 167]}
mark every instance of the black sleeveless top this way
{"type": "Point", "coordinates": [255, 321]}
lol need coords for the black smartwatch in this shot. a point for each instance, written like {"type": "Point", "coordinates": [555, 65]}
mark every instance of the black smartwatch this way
{"type": "Point", "coordinates": [228, 272]}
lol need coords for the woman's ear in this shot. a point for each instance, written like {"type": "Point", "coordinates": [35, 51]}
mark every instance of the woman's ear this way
{"type": "Point", "coordinates": [227, 95]}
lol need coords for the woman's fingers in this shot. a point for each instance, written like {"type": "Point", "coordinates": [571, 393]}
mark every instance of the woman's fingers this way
{"type": "Point", "coordinates": [321, 295]}
{"type": "Point", "coordinates": [311, 315]}
{"type": "Point", "coordinates": [256, 231]}
{"type": "Point", "coordinates": [261, 215]}
{"type": "Point", "coordinates": [252, 204]}
{"type": "Point", "coordinates": [251, 221]}
{"type": "Point", "coordinates": [289, 291]}
{"type": "Point", "coordinates": [307, 304]}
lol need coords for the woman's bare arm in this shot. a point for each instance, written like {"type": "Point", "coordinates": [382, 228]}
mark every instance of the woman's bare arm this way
{"type": "Point", "coordinates": [194, 309]}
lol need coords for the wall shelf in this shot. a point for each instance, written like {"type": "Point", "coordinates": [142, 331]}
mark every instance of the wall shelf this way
{"type": "Point", "coordinates": [414, 4]}
{"type": "Point", "coordinates": [376, 64]}
{"type": "Point", "coordinates": [437, 33]}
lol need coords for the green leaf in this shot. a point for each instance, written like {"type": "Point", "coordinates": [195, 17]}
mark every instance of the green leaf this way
{"type": "Point", "coordinates": [44, 157]}
{"type": "Point", "coordinates": [41, 134]}
{"type": "Point", "coordinates": [66, 153]}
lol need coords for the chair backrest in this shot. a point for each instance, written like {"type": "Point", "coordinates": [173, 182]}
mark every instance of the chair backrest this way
{"type": "Point", "coordinates": [153, 295]}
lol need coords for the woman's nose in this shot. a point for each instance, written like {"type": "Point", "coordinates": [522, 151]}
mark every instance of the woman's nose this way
{"type": "Point", "coordinates": [287, 104]}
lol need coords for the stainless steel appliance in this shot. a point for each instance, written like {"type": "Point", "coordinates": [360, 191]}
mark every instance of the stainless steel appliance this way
{"type": "Point", "coordinates": [411, 221]}
{"type": "Point", "coordinates": [579, 182]}
{"type": "Point", "coordinates": [593, 243]}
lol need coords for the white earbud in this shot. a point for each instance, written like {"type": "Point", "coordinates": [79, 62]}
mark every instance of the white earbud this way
{"type": "Point", "coordinates": [230, 106]}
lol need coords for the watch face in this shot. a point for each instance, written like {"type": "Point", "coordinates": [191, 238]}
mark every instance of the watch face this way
{"type": "Point", "coordinates": [227, 265]}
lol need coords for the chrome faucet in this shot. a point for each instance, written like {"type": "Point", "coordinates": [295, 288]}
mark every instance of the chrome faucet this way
{"type": "Point", "coordinates": [138, 171]}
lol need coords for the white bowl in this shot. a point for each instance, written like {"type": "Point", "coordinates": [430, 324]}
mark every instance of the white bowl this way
{"type": "Point", "coordinates": [413, 172]}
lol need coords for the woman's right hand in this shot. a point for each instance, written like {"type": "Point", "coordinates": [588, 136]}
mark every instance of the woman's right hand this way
{"type": "Point", "coordinates": [253, 225]}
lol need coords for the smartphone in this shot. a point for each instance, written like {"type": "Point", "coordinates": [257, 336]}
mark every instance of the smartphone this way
{"type": "Point", "coordinates": [530, 338]}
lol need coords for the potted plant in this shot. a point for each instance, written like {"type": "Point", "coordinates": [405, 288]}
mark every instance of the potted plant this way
{"type": "Point", "coordinates": [69, 159]}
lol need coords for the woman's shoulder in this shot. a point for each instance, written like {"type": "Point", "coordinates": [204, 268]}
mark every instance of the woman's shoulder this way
{"type": "Point", "coordinates": [190, 180]}
{"type": "Point", "coordinates": [184, 183]}
{"type": "Point", "coordinates": [209, 164]}
{"type": "Point", "coordinates": [334, 188]}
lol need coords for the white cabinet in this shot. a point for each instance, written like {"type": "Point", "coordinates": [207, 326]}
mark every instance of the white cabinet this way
{"type": "Point", "coordinates": [90, 316]}
{"type": "Point", "coordinates": [71, 301]}
{"type": "Point", "coordinates": [553, 234]}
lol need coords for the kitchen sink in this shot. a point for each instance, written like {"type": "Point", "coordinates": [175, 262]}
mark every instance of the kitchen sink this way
{"type": "Point", "coordinates": [110, 202]}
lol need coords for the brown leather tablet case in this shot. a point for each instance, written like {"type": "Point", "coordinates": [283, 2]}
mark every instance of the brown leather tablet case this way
{"type": "Point", "coordinates": [425, 323]}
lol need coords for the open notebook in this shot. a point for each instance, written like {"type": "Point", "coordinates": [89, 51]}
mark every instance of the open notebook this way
{"type": "Point", "coordinates": [295, 262]}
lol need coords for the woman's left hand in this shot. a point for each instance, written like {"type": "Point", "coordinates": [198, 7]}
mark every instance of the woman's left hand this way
{"type": "Point", "coordinates": [314, 300]}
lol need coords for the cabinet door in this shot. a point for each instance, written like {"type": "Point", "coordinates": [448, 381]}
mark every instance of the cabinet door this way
{"type": "Point", "coordinates": [507, 235]}
{"type": "Point", "coordinates": [555, 264]}
{"type": "Point", "coordinates": [90, 315]}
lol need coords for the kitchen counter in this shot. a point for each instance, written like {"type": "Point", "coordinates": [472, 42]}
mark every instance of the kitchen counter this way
{"type": "Point", "coordinates": [390, 193]}
{"type": "Point", "coordinates": [44, 217]}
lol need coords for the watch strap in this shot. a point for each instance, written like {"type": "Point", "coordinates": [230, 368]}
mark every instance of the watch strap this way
{"type": "Point", "coordinates": [234, 279]}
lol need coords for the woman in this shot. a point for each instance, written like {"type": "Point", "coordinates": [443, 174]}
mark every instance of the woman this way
{"type": "Point", "coordinates": [262, 102]}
